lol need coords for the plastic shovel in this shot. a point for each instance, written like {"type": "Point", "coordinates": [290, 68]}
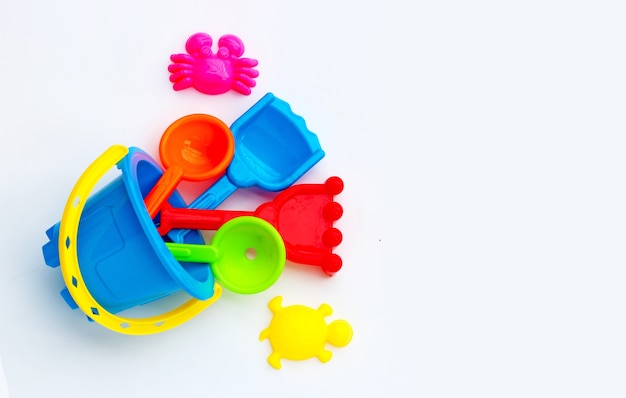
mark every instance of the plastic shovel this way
{"type": "Point", "coordinates": [303, 214]}
{"type": "Point", "coordinates": [194, 148]}
{"type": "Point", "coordinates": [273, 148]}
{"type": "Point", "coordinates": [246, 254]}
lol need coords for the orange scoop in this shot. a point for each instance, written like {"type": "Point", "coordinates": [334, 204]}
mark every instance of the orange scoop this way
{"type": "Point", "coordinates": [194, 148]}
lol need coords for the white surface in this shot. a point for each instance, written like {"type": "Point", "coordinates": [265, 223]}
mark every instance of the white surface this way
{"type": "Point", "coordinates": [482, 148]}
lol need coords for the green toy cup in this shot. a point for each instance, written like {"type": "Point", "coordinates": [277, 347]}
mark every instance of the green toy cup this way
{"type": "Point", "coordinates": [246, 255]}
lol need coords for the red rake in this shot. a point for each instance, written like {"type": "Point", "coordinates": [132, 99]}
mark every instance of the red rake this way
{"type": "Point", "coordinates": [303, 214]}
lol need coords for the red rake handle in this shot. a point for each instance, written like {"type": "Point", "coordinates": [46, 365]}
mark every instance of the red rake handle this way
{"type": "Point", "coordinates": [210, 220]}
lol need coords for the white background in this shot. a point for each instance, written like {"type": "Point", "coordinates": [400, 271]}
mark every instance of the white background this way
{"type": "Point", "coordinates": [482, 149]}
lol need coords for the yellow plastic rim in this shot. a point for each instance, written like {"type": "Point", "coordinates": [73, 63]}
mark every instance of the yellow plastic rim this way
{"type": "Point", "coordinates": [68, 236]}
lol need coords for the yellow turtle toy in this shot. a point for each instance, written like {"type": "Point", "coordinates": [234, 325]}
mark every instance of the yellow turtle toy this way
{"type": "Point", "coordinates": [298, 332]}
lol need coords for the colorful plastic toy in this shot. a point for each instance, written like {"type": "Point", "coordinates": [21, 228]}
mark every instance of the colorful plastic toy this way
{"type": "Point", "coordinates": [273, 148]}
{"type": "Point", "coordinates": [111, 256]}
{"type": "Point", "coordinates": [213, 73]}
{"type": "Point", "coordinates": [194, 148]}
{"type": "Point", "coordinates": [298, 332]}
{"type": "Point", "coordinates": [247, 255]}
{"type": "Point", "coordinates": [303, 214]}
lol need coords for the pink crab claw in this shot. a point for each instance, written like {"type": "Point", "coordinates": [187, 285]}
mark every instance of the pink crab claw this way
{"type": "Point", "coordinates": [199, 45]}
{"type": "Point", "coordinates": [230, 46]}
{"type": "Point", "coordinates": [213, 73]}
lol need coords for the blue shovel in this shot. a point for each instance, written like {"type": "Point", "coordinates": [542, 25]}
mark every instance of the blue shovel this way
{"type": "Point", "coordinates": [273, 149]}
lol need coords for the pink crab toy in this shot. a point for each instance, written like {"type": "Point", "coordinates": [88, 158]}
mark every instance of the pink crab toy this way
{"type": "Point", "coordinates": [213, 73]}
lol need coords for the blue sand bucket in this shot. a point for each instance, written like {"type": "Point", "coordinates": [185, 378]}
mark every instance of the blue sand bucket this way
{"type": "Point", "coordinates": [123, 260]}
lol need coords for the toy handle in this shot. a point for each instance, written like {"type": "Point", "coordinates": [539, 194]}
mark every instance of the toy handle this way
{"type": "Point", "coordinates": [194, 253]}
{"type": "Point", "coordinates": [215, 195]}
{"type": "Point", "coordinates": [163, 189]}
{"type": "Point", "coordinates": [209, 199]}
{"type": "Point", "coordinates": [176, 217]}
{"type": "Point", "coordinates": [70, 268]}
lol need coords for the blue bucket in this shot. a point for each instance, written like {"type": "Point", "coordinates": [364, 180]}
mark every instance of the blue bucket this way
{"type": "Point", "coordinates": [123, 260]}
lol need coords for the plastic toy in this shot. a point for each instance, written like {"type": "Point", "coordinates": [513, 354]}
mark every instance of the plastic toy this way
{"type": "Point", "coordinates": [194, 148]}
{"type": "Point", "coordinates": [303, 214]}
{"type": "Point", "coordinates": [273, 148]}
{"type": "Point", "coordinates": [213, 73]}
{"type": "Point", "coordinates": [247, 255]}
{"type": "Point", "coordinates": [298, 332]}
{"type": "Point", "coordinates": [111, 256]}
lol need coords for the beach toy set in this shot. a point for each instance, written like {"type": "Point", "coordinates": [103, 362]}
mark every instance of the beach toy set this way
{"type": "Point", "coordinates": [136, 241]}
